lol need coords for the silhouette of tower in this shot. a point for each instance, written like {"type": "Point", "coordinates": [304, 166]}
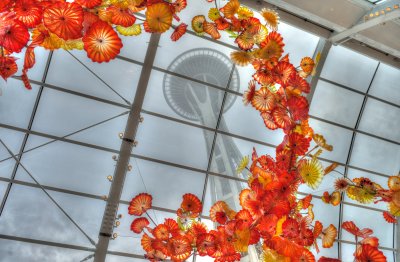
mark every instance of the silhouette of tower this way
{"type": "Point", "coordinates": [197, 102]}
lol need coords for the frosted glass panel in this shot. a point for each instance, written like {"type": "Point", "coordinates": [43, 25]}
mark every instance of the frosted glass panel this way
{"type": "Point", "coordinates": [21, 251]}
{"type": "Point", "coordinates": [229, 151]}
{"type": "Point", "coordinates": [196, 58]}
{"type": "Point", "coordinates": [180, 98]}
{"type": "Point", "coordinates": [381, 119]}
{"type": "Point", "coordinates": [369, 219]}
{"type": "Point", "coordinates": [122, 76]}
{"type": "Point", "coordinates": [336, 104]}
{"type": "Point", "coordinates": [349, 68]}
{"type": "Point", "coordinates": [376, 155]}
{"type": "Point", "coordinates": [166, 184]}
{"type": "Point", "coordinates": [16, 103]}
{"type": "Point", "coordinates": [385, 84]}
{"type": "Point", "coordinates": [20, 216]}
{"type": "Point", "coordinates": [180, 143]}
{"type": "Point", "coordinates": [246, 121]}
{"type": "Point", "coordinates": [339, 137]}
{"type": "Point", "coordinates": [69, 166]}
{"type": "Point", "coordinates": [57, 113]}
{"type": "Point", "coordinates": [223, 189]}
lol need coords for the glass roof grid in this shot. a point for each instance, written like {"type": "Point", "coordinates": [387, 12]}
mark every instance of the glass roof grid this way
{"type": "Point", "coordinates": [349, 155]}
{"type": "Point", "coordinates": [29, 126]}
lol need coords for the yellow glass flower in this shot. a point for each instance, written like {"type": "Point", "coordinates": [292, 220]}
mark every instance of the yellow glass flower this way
{"type": "Point", "coordinates": [271, 17]}
{"type": "Point", "coordinates": [241, 58]}
{"type": "Point", "coordinates": [261, 35]}
{"type": "Point", "coordinates": [269, 255]}
{"type": "Point", "coordinates": [394, 209]}
{"type": "Point", "coordinates": [242, 240]}
{"type": "Point", "coordinates": [244, 13]}
{"type": "Point", "coordinates": [394, 183]}
{"type": "Point", "coordinates": [159, 17]}
{"type": "Point", "coordinates": [312, 172]}
{"type": "Point", "coordinates": [129, 31]}
{"type": "Point", "coordinates": [72, 44]}
{"type": "Point", "coordinates": [214, 14]}
{"type": "Point", "coordinates": [360, 195]}
{"type": "Point", "coordinates": [242, 165]}
{"type": "Point", "coordinates": [320, 141]}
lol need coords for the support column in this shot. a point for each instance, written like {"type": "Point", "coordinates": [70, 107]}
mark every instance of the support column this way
{"type": "Point", "coordinates": [114, 196]}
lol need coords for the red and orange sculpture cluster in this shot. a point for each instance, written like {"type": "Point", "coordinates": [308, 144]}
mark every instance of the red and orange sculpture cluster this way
{"type": "Point", "coordinates": [91, 25]}
{"type": "Point", "coordinates": [271, 215]}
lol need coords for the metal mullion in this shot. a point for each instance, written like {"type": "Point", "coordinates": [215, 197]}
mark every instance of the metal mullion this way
{"type": "Point", "coordinates": [322, 49]}
{"type": "Point", "coordinates": [97, 197]}
{"type": "Point", "coordinates": [221, 112]}
{"type": "Point", "coordinates": [79, 194]}
{"type": "Point", "coordinates": [30, 132]}
{"type": "Point", "coordinates": [215, 135]}
{"type": "Point", "coordinates": [68, 91]}
{"type": "Point", "coordinates": [252, 140]}
{"type": "Point", "coordinates": [125, 152]}
{"type": "Point", "coordinates": [354, 130]}
{"type": "Point", "coordinates": [172, 119]}
{"type": "Point", "coordinates": [359, 92]}
{"type": "Point", "coordinates": [34, 109]}
{"type": "Point", "coordinates": [100, 79]}
{"type": "Point", "coordinates": [68, 135]}
{"type": "Point", "coordinates": [346, 169]}
{"type": "Point", "coordinates": [197, 81]}
{"type": "Point", "coordinates": [67, 246]}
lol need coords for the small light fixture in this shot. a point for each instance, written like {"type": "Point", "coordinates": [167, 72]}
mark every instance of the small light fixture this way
{"type": "Point", "coordinates": [119, 216]}
{"type": "Point", "coordinates": [382, 12]}
{"type": "Point", "coordinates": [135, 143]}
{"type": "Point", "coordinates": [117, 223]}
{"type": "Point", "coordinates": [129, 167]}
{"type": "Point", "coordinates": [396, 6]}
{"type": "Point", "coordinates": [114, 236]}
{"type": "Point", "coordinates": [141, 119]}
{"type": "Point", "coordinates": [110, 178]}
{"type": "Point", "coordinates": [114, 157]}
{"type": "Point", "coordinates": [388, 9]}
{"type": "Point", "coordinates": [104, 197]}
{"type": "Point", "coordinates": [377, 13]}
{"type": "Point", "coordinates": [121, 135]}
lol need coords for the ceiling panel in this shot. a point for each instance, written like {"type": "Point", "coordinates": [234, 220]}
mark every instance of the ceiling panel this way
{"type": "Point", "coordinates": [349, 68]}
{"type": "Point", "coordinates": [176, 97]}
{"type": "Point", "coordinates": [245, 121]}
{"type": "Point", "coordinates": [381, 119]}
{"type": "Point", "coordinates": [165, 183]}
{"type": "Point", "coordinates": [363, 218]}
{"type": "Point", "coordinates": [376, 155]}
{"type": "Point", "coordinates": [339, 137]}
{"type": "Point", "coordinates": [120, 75]}
{"type": "Point", "coordinates": [68, 166]}
{"type": "Point", "coordinates": [16, 103]}
{"type": "Point", "coordinates": [57, 114]}
{"type": "Point", "coordinates": [385, 84]}
{"type": "Point", "coordinates": [336, 104]}
{"type": "Point", "coordinates": [176, 140]}
{"type": "Point", "coordinates": [229, 151]}
{"type": "Point", "coordinates": [21, 251]}
{"type": "Point", "coordinates": [20, 216]}
{"type": "Point", "coordinates": [196, 58]}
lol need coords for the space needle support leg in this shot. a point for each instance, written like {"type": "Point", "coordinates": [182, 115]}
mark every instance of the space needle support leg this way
{"type": "Point", "coordinates": [114, 196]}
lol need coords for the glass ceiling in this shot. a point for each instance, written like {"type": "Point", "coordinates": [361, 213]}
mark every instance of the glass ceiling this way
{"type": "Point", "coordinates": [65, 133]}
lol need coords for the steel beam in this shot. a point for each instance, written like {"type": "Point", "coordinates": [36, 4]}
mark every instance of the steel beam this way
{"type": "Point", "coordinates": [322, 51]}
{"type": "Point", "coordinates": [342, 36]}
{"type": "Point", "coordinates": [125, 153]}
